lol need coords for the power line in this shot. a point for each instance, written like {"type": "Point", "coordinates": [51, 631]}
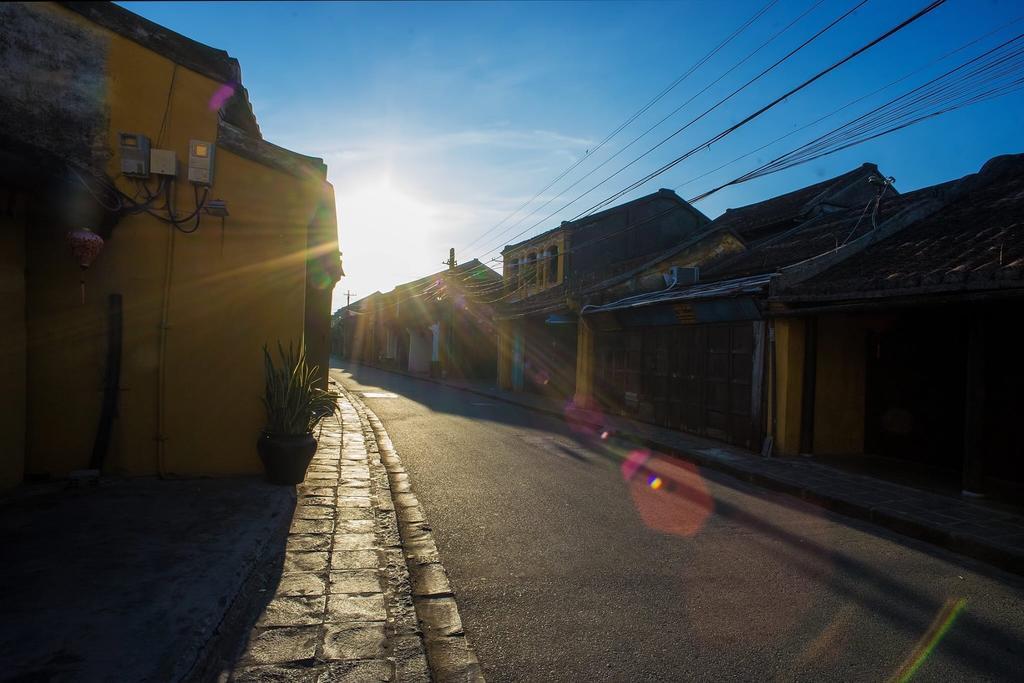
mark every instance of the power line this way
{"type": "Point", "coordinates": [994, 73]}
{"type": "Point", "coordinates": [903, 24]}
{"type": "Point", "coordinates": [665, 91]}
{"type": "Point", "coordinates": [852, 102]}
{"type": "Point", "coordinates": [970, 89]}
{"type": "Point", "coordinates": [722, 101]}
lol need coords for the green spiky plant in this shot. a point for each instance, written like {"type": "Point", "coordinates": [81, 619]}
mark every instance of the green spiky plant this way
{"type": "Point", "coordinates": [294, 404]}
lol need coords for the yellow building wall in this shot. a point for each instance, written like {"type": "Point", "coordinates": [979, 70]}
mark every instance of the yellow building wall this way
{"type": "Point", "coordinates": [584, 364]}
{"type": "Point", "coordinates": [839, 385]}
{"type": "Point", "coordinates": [789, 374]}
{"type": "Point", "coordinates": [12, 342]}
{"type": "Point", "coordinates": [232, 289]}
{"type": "Point", "coordinates": [505, 343]}
{"type": "Point", "coordinates": [539, 247]}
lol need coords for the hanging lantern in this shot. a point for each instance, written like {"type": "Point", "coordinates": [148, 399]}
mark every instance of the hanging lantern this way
{"type": "Point", "coordinates": [85, 246]}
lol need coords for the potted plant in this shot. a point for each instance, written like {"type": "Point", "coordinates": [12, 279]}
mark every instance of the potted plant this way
{"type": "Point", "coordinates": [295, 405]}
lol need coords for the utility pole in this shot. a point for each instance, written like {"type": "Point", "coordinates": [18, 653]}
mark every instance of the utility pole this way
{"type": "Point", "coordinates": [348, 297]}
{"type": "Point", "coordinates": [451, 263]}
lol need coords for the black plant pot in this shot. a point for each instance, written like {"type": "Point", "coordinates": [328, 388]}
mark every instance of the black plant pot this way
{"type": "Point", "coordinates": [285, 458]}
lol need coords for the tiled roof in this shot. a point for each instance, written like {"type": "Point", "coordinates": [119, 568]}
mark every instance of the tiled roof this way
{"type": "Point", "coordinates": [750, 220]}
{"type": "Point", "coordinates": [974, 242]}
{"type": "Point", "coordinates": [817, 236]}
{"type": "Point", "coordinates": [587, 221]}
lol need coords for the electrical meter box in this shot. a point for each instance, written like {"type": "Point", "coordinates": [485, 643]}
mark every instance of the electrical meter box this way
{"type": "Point", "coordinates": [134, 155]}
{"type": "Point", "coordinates": [163, 162]}
{"type": "Point", "coordinates": [200, 162]}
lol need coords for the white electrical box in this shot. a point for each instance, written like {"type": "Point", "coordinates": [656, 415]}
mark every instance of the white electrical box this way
{"type": "Point", "coordinates": [134, 155]}
{"type": "Point", "coordinates": [163, 162]}
{"type": "Point", "coordinates": [200, 162]}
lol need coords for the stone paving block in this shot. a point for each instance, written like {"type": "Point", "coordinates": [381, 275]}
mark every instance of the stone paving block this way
{"type": "Point", "coordinates": [410, 660]}
{"type": "Point", "coordinates": [415, 532]}
{"type": "Point", "coordinates": [354, 581]}
{"type": "Point", "coordinates": [314, 512]}
{"type": "Point", "coordinates": [401, 487]}
{"type": "Point", "coordinates": [354, 542]}
{"type": "Point", "coordinates": [305, 562]}
{"type": "Point", "coordinates": [314, 490]}
{"type": "Point", "coordinates": [357, 490]}
{"type": "Point", "coordinates": [353, 513]}
{"type": "Point", "coordinates": [453, 660]}
{"type": "Point", "coordinates": [353, 641]}
{"type": "Point", "coordinates": [312, 526]}
{"type": "Point", "coordinates": [356, 672]}
{"type": "Point", "coordinates": [293, 611]}
{"type": "Point", "coordinates": [354, 559]}
{"type": "Point", "coordinates": [405, 500]}
{"type": "Point", "coordinates": [429, 580]}
{"type": "Point", "coordinates": [325, 501]}
{"type": "Point", "coordinates": [353, 501]}
{"type": "Point", "coordinates": [357, 474]}
{"type": "Point", "coordinates": [303, 583]}
{"type": "Point", "coordinates": [276, 645]}
{"type": "Point", "coordinates": [411, 514]}
{"type": "Point", "coordinates": [423, 551]}
{"type": "Point", "coordinates": [321, 477]}
{"type": "Point", "coordinates": [439, 617]}
{"type": "Point", "coordinates": [308, 542]}
{"type": "Point", "coordinates": [354, 483]}
{"type": "Point", "coordinates": [277, 673]}
{"type": "Point", "coordinates": [342, 607]}
{"type": "Point", "coordinates": [354, 526]}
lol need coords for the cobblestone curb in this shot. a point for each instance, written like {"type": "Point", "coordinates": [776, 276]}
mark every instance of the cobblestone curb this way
{"type": "Point", "coordinates": [343, 608]}
{"type": "Point", "coordinates": [449, 653]}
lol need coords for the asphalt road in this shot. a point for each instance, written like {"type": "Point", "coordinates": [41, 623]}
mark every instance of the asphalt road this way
{"type": "Point", "coordinates": [579, 559]}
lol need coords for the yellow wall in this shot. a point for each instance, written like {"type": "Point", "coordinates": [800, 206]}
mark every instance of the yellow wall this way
{"type": "Point", "coordinates": [839, 385]}
{"type": "Point", "coordinates": [232, 290]}
{"type": "Point", "coordinates": [584, 363]}
{"type": "Point", "coordinates": [505, 342]}
{"type": "Point", "coordinates": [539, 247]}
{"type": "Point", "coordinates": [789, 373]}
{"type": "Point", "coordinates": [12, 340]}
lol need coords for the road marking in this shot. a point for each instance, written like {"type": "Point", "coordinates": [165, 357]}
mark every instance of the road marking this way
{"type": "Point", "coordinates": [378, 394]}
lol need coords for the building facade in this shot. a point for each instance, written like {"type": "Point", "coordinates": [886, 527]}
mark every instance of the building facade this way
{"type": "Point", "coordinates": [150, 360]}
{"type": "Point", "coordinates": [439, 325]}
{"type": "Point", "coordinates": [545, 277]}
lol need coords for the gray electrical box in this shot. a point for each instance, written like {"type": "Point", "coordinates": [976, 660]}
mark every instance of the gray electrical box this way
{"type": "Point", "coordinates": [163, 162]}
{"type": "Point", "coordinates": [134, 155]}
{"type": "Point", "coordinates": [200, 162]}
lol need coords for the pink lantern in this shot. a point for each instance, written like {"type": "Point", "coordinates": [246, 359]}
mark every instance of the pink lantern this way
{"type": "Point", "coordinates": [85, 246]}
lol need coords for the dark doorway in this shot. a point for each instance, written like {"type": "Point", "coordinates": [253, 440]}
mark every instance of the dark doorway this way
{"type": "Point", "coordinates": [915, 393]}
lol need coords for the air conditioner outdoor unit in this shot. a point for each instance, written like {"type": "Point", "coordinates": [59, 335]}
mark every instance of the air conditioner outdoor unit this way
{"type": "Point", "coordinates": [681, 275]}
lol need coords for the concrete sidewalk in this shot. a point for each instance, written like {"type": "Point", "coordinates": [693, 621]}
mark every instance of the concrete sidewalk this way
{"type": "Point", "coordinates": [980, 531]}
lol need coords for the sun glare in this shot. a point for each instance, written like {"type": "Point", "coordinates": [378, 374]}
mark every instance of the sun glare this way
{"type": "Point", "coordinates": [388, 235]}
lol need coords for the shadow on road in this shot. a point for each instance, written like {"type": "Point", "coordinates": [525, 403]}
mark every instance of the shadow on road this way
{"type": "Point", "coordinates": [975, 641]}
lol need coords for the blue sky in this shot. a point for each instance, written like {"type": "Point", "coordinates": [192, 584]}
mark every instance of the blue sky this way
{"type": "Point", "coordinates": [437, 120]}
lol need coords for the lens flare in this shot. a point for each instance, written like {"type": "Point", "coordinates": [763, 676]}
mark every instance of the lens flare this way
{"type": "Point", "coordinates": [669, 494]}
{"type": "Point", "coordinates": [221, 96]}
{"type": "Point", "coordinates": [930, 640]}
